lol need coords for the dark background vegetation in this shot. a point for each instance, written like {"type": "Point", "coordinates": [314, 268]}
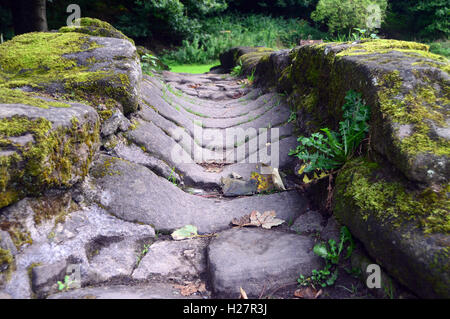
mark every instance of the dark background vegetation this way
{"type": "Point", "coordinates": [197, 31]}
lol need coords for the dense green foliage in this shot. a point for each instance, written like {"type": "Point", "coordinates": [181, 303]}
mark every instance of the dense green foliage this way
{"type": "Point", "coordinates": [221, 33]}
{"type": "Point", "coordinates": [332, 150]}
{"type": "Point", "coordinates": [342, 16]}
{"type": "Point", "coordinates": [197, 31]}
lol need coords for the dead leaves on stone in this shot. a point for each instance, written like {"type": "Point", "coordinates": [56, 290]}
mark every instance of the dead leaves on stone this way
{"type": "Point", "coordinates": [265, 220]}
{"type": "Point", "coordinates": [307, 293]}
{"type": "Point", "coordinates": [190, 288]}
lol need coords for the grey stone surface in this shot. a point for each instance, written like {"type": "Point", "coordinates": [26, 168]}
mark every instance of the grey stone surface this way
{"type": "Point", "coordinates": [134, 193]}
{"type": "Point", "coordinates": [311, 221]}
{"type": "Point", "coordinates": [7, 243]}
{"type": "Point", "coordinates": [173, 260]}
{"type": "Point", "coordinates": [115, 122]}
{"type": "Point", "coordinates": [257, 259]}
{"type": "Point", "coordinates": [234, 187]}
{"type": "Point", "coordinates": [151, 291]}
{"type": "Point", "coordinates": [332, 230]}
{"type": "Point", "coordinates": [44, 278]}
{"type": "Point", "coordinates": [113, 257]}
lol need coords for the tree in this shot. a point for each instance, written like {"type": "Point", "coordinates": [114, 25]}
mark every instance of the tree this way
{"type": "Point", "coordinates": [342, 16]}
{"type": "Point", "coordinates": [28, 15]}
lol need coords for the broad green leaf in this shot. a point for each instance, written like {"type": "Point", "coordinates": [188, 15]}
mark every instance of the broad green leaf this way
{"type": "Point", "coordinates": [321, 250]}
{"type": "Point", "coordinates": [188, 231]}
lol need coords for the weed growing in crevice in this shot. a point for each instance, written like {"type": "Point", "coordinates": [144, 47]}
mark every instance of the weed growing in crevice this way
{"type": "Point", "coordinates": [331, 252]}
{"type": "Point", "coordinates": [332, 150]}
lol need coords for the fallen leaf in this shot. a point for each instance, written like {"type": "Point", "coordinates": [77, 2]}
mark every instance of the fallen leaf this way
{"type": "Point", "coordinates": [265, 220]}
{"type": "Point", "coordinates": [307, 293]}
{"type": "Point", "coordinates": [188, 231]}
{"type": "Point", "coordinates": [191, 288]}
{"type": "Point", "coordinates": [276, 179]}
{"type": "Point", "coordinates": [243, 294]}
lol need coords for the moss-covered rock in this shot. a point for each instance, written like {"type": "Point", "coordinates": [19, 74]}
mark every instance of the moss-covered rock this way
{"type": "Point", "coordinates": [248, 56]}
{"type": "Point", "coordinates": [75, 66]}
{"type": "Point", "coordinates": [407, 87]}
{"type": "Point", "coordinates": [41, 148]}
{"type": "Point", "coordinates": [406, 230]}
{"type": "Point", "coordinates": [95, 27]}
{"type": "Point", "coordinates": [399, 209]}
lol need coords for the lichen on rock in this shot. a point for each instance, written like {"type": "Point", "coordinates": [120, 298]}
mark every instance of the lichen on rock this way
{"type": "Point", "coordinates": [43, 148]}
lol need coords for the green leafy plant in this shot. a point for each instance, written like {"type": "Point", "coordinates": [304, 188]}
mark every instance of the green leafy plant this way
{"type": "Point", "coordinates": [172, 178]}
{"type": "Point", "coordinates": [237, 70]}
{"type": "Point", "coordinates": [332, 150]}
{"type": "Point", "coordinates": [150, 64]}
{"type": "Point", "coordinates": [331, 252]}
{"type": "Point", "coordinates": [144, 251]}
{"type": "Point", "coordinates": [66, 285]}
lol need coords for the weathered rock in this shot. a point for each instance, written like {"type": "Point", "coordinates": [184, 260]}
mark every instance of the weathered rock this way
{"type": "Point", "coordinates": [257, 259]}
{"type": "Point", "coordinates": [115, 122]}
{"type": "Point", "coordinates": [331, 231]}
{"type": "Point", "coordinates": [173, 260]}
{"type": "Point", "coordinates": [235, 187]}
{"type": "Point", "coordinates": [230, 58]}
{"type": "Point", "coordinates": [151, 291]}
{"type": "Point", "coordinates": [113, 257]}
{"type": "Point", "coordinates": [311, 221]}
{"type": "Point", "coordinates": [97, 69]}
{"type": "Point", "coordinates": [44, 278]}
{"type": "Point", "coordinates": [71, 240]}
{"type": "Point", "coordinates": [4, 295]}
{"type": "Point", "coordinates": [134, 193]}
{"type": "Point", "coordinates": [7, 243]}
{"type": "Point", "coordinates": [404, 230]}
{"type": "Point", "coordinates": [95, 27]}
{"type": "Point", "coordinates": [57, 154]}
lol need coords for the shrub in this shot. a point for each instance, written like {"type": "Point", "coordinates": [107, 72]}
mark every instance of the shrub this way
{"type": "Point", "coordinates": [219, 34]}
{"type": "Point", "coordinates": [342, 16]}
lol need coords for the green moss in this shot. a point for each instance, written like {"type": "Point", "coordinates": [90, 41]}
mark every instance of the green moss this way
{"type": "Point", "coordinates": [6, 261]}
{"type": "Point", "coordinates": [47, 162]}
{"type": "Point", "coordinates": [106, 168]}
{"type": "Point", "coordinates": [48, 207]}
{"type": "Point", "coordinates": [39, 60]}
{"type": "Point", "coordinates": [390, 201]}
{"type": "Point", "coordinates": [106, 114]}
{"type": "Point", "coordinates": [419, 107]}
{"type": "Point", "coordinates": [96, 27]}
{"type": "Point", "coordinates": [17, 96]}
{"type": "Point", "coordinates": [383, 46]}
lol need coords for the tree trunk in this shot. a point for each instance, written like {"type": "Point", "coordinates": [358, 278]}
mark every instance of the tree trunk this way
{"type": "Point", "coordinates": [29, 15]}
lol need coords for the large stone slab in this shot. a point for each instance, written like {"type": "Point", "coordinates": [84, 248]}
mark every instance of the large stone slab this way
{"type": "Point", "coordinates": [257, 259]}
{"type": "Point", "coordinates": [173, 260]}
{"type": "Point", "coordinates": [134, 193]}
{"type": "Point", "coordinates": [152, 291]}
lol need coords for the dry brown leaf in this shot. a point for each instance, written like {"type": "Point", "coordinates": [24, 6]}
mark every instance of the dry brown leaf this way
{"type": "Point", "coordinates": [265, 220]}
{"type": "Point", "coordinates": [243, 294]}
{"type": "Point", "coordinates": [191, 288]}
{"type": "Point", "coordinates": [307, 293]}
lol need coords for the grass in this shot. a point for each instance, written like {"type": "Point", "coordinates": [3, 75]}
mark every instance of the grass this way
{"type": "Point", "coordinates": [193, 68]}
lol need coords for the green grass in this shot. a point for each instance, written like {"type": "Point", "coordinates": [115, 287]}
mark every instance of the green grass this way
{"type": "Point", "coordinates": [192, 68]}
{"type": "Point", "coordinates": [440, 47]}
